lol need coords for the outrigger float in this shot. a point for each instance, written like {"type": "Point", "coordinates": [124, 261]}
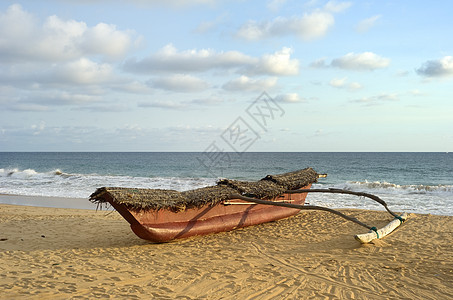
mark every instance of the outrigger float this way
{"type": "Point", "coordinates": [161, 215]}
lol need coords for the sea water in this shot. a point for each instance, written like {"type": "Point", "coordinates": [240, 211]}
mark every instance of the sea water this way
{"type": "Point", "coordinates": [411, 182]}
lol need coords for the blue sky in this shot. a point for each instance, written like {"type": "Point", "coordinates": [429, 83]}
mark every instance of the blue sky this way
{"type": "Point", "coordinates": [184, 75]}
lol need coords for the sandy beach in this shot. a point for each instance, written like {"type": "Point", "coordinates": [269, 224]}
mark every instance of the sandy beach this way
{"type": "Point", "coordinates": [56, 253]}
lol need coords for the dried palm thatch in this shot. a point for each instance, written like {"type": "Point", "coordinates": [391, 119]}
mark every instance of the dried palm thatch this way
{"type": "Point", "coordinates": [207, 195]}
{"type": "Point", "coordinates": [259, 189]}
{"type": "Point", "coordinates": [140, 198]}
{"type": "Point", "coordinates": [145, 199]}
{"type": "Point", "coordinates": [294, 180]}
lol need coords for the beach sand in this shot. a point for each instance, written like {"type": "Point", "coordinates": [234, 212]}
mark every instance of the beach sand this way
{"type": "Point", "coordinates": [53, 253]}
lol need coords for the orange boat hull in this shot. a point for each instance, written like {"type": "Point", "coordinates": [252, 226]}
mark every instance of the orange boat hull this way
{"type": "Point", "coordinates": [165, 225]}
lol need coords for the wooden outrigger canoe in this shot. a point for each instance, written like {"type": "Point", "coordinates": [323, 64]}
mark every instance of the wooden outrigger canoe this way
{"type": "Point", "coordinates": [165, 225]}
{"type": "Point", "coordinates": [165, 215]}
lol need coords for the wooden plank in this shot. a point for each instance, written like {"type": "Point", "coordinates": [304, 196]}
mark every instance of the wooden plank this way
{"type": "Point", "coordinates": [380, 233]}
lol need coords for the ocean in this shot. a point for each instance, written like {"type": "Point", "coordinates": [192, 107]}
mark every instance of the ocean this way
{"type": "Point", "coordinates": [410, 182]}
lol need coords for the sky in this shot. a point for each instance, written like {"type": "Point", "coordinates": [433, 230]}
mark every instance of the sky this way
{"type": "Point", "coordinates": [220, 76]}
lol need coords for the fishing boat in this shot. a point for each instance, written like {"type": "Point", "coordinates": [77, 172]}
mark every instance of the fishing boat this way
{"type": "Point", "coordinates": [164, 215]}
{"type": "Point", "coordinates": [161, 215]}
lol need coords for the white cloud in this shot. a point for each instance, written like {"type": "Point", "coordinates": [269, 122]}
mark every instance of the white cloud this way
{"type": "Point", "coordinates": [402, 73]}
{"type": "Point", "coordinates": [338, 82]}
{"type": "Point", "coordinates": [85, 71]}
{"type": "Point", "coordinates": [377, 99]}
{"type": "Point", "coordinates": [57, 39]}
{"type": "Point", "coordinates": [278, 63]}
{"type": "Point", "coordinates": [245, 83]}
{"type": "Point", "coordinates": [252, 31]}
{"type": "Point", "coordinates": [48, 99]}
{"type": "Point", "coordinates": [39, 127]}
{"type": "Point", "coordinates": [342, 83]}
{"type": "Point", "coordinates": [319, 63]}
{"type": "Point", "coordinates": [212, 100]}
{"type": "Point", "coordinates": [65, 98]}
{"type": "Point", "coordinates": [23, 107]}
{"type": "Point", "coordinates": [164, 104]}
{"type": "Point", "coordinates": [320, 133]}
{"type": "Point", "coordinates": [179, 83]}
{"type": "Point", "coordinates": [57, 98]}
{"type": "Point", "coordinates": [289, 98]}
{"type": "Point", "coordinates": [182, 105]}
{"type": "Point", "coordinates": [14, 23]}
{"type": "Point", "coordinates": [27, 39]}
{"type": "Point", "coordinates": [308, 27]}
{"type": "Point", "coordinates": [105, 39]}
{"type": "Point", "coordinates": [36, 76]}
{"type": "Point", "coordinates": [437, 68]}
{"type": "Point", "coordinates": [133, 87]}
{"type": "Point", "coordinates": [366, 61]}
{"type": "Point", "coordinates": [207, 26]}
{"type": "Point", "coordinates": [103, 108]}
{"type": "Point", "coordinates": [388, 97]}
{"type": "Point", "coordinates": [169, 59]}
{"type": "Point", "coordinates": [337, 7]}
{"type": "Point", "coordinates": [416, 92]}
{"type": "Point", "coordinates": [361, 61]}
{"type": "Point", "coordinates": [354, 86]}
{"type": "Point", "coordinates": [366, 24]}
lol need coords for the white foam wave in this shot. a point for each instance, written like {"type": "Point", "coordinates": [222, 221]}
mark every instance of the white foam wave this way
{"type": "Point", "coordinates": [392, 188]}
{"type": "Point", "coordinates": [60, 184]}
{"type": "Point", "coordinates": [410, 198]}
{"type": "Point", "coordinates": [28, 173]}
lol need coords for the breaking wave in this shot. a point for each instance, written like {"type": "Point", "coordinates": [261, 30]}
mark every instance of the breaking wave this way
{"type": "Point", "coordinates": [435, 199]}
{"type": "Point", "coordinates": [392, 188]}
{"type": "Point", "coordinates": [29, 173]}
{"type": "Point", "coordinates": [60, 184]}
{"type": "Point", "coordinates": [420, 198]}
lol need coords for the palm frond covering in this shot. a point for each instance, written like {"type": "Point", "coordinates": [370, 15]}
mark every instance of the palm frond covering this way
{"type": "Point", "coordinates": [294, 180]}
{"type": "Point", "coordinates": [259, 189]}
{"type": "Point", "coordinates": [208, 195]}
{"type": "Point", "coordinates": [140, 198]}
{"type": "Point", "coordinates": [145, 199]}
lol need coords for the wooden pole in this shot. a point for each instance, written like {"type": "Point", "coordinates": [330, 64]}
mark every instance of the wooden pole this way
{"type": "Point", "coordinates": [340, 191]}
{"type": "Point", "coordinates": [363, 238]}
{"type": "Point", "coordinates": [304, 207]}
{"type": "Point", "coordinates": [380, 233]}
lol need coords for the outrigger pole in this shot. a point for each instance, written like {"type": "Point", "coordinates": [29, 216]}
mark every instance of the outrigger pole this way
{"type": "Point", "coordinates": [373, 234]}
